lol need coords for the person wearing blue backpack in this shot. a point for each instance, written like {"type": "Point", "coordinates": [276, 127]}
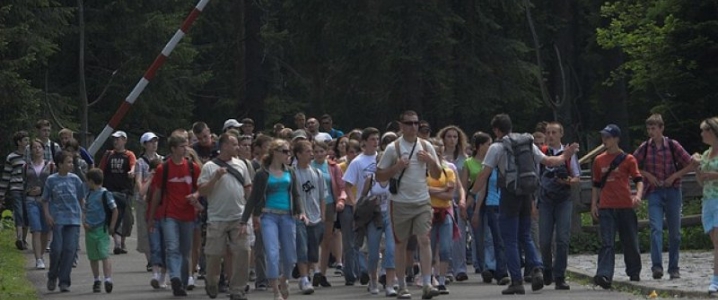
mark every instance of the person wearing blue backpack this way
{"type": "Point", "coordinates": [100, 215]}
{"type": "Point", "coordinates": [516, 156]}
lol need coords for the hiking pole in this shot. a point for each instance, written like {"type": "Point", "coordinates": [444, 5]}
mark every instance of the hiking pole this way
{"type": "Point", "coordinates": [147, 77]}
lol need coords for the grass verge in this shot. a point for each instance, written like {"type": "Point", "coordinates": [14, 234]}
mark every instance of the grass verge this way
{"type": "Point", "coordinates": [13, 278]}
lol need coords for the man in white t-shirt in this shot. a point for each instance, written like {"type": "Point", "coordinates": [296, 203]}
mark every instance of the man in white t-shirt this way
{"type": "Point", "coordinates": [225, 205]}
{"type": "Point", "coordinates": [411, 211]}
{"type": "Point", "coordinates": [313, 129]}
{"type": "Point", "coordinates": [515, 210]}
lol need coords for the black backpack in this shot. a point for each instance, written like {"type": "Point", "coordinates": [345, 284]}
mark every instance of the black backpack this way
{"type": "Point", "coordinates": [108, 210]}
{"type": "Point", "coordinates": [520, 176]}
{"type": "Point", "coordinates": [165, 173]}
{"type": "Point", "coordinates": [671, 147]}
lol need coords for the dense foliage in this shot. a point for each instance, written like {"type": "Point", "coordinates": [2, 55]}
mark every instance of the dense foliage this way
{"type": "Point", "coordinates": [585, 63]}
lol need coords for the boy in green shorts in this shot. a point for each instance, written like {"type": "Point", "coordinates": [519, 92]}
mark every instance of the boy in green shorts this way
{"type": "Point", "coordinates": [97, 236]}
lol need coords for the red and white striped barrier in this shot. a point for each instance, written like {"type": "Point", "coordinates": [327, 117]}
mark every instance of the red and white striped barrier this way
{"type": "Point", "coordinates": [149, 74]}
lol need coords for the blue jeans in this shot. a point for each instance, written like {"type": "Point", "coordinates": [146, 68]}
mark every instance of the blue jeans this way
{"type": "Point", "coordinates": [374, 239]}
{"type": "Point", "coordinates": [625, 222]}
{"type": "Point", "coordinates": [62, 252]}
{"type": "Point", "coordinates": [458, 249]}
{"type": "Point", "coordinates": [309, 237]}
{"type": "Point", "coordinates": [442, 234]}
{"type": "Point", "coordinates": [496, 253]}
{"type": "Point", "coordinates": [18, 208]}
{"type": "Point", "coordinates": [515, 223]}
{"type": "Point", "coordinates": [555, 215]}
{"type": "Point", "coordinates": [157, 246]}
{"type": "Point", "coordinates": [353, 262]}
{"type": "Point", "coordinates": [483, 246]}
{"type": "Point", "coordinates": [279, 234]}
{"type": "Point", "coordinates": [668, 202]}
{"type": "Point", "coordinates": [178, 242]}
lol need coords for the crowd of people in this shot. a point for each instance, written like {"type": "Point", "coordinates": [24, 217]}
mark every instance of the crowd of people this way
{"type": "Point", "coordinates": [384, 209]}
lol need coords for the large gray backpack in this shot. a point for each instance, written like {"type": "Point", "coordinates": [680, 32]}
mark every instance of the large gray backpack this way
{"type": "Point", "coordinates": [520, 176]}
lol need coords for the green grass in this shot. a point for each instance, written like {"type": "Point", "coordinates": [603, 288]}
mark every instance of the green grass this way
{"type": "Point", "coordinates": [13, 278]}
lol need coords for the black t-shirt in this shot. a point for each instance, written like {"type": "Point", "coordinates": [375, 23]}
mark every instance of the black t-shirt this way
{"type": "Point", "coordinates": [205, 153]}
{"type": "Point", "coordinates": [115, 166]}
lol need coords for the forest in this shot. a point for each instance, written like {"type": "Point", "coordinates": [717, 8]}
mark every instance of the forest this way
{"type": "Point", "coordinates": [584, 63]}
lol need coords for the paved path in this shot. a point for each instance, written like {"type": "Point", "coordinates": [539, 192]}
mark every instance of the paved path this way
{"type": "Point", "coordinates": [132, 283]}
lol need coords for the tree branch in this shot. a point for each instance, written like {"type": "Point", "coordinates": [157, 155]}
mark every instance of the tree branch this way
{"type": "Point", "coordinates": [104, 90]}
{"type": "Point", "coordinates": [47, 100]}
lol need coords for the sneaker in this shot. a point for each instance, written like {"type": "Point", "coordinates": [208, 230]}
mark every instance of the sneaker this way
{"type": "Point", "coordinates": [602, 281]}
{"type": "Point", "coordinates": [190, 283]}
{"type": "Point", "coordinates": [403, 294]}
{"type": "Point", "coordinates": [382, 280]}
{"type": "Point", "coordinates": [261, 287]}
{"type": "Point", "coordinates": [516, 288]}
{"type": "Point", "coordinates": [316, 278]}
{"type": "Point", "coordinates": [123, 250]}
{"type": "Point", "coordinates": [364, 278]}
{"type": "Point", "coordinates": [117, 251]}
{"type": "Point", "coordinates": [409, 280]}
{"type": "Point", "coordinates": [487, 276]}
{"type": "Point", "coordinates": [537, 280]}
{"type": "Point", "coordinates": [504, 281]}
{"type": "Point", "coordinates": [240, 296]}
{"type": "Point", "coordinates": [295, 272]}
{"type": "Point", "coordinates": [40, 264]}
{"type": "Point", "coordinates": [324, 282]}
{"type": "Point", "coordinates": [428, 292]}
{"type": "Point", "coordinates": [47, 249]}
{"type": "Point", "coordinates": [252, 276]}
{"type": "Point", "coordinates": [148, 267]}
{"type": "Point", "coordinates": [74, 262]}
{"type": "Point", "coordinates": [64, 288]}
{"type": "Point", "coordinates": [561, 284]}
{"type": "Point", "coordinates": [442, 290]}
{"type": "Point", "coordinates": [25, 245]}
{"type": "Point", "coordinates": [19, 245]}
{"type": "Point", "coordinates": [390, 292]}
{"type": "Point", "coordinates": [51, 284]}
{"type": "Point", "coordinates": [305, 287]}
{"type": "Point", "coordinates": [712, 288]}
{"type": "Point", "coordinates": [108, 286]}
{"type": "Point", "coordinates": [177, 288]}
{"type": "Point", "coordinates": [462, 277]}
{"type": "Point", "coordinates": [657, 273]}
{"type": "Point", "coordinates": [212, 291]}
{"type": "Point", "coordinates": [449, 279]}
{"type": "Point", "coordinates": [547, 277]}
{"type": "Point", "coordinates": [97, 287]}
{"type": "Point", "coordinates": [674, 274]}
{"type": "Point", "coordinates": [373, 288]}
{"type": "Point", "coordinates": [163, 281]}
{"type": "Point", "coordinates": [338, 271]}
{"type": "Point", "coordinates": [155, 283]}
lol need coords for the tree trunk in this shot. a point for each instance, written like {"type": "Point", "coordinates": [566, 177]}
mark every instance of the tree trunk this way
{"type": "Point", "coordinates": [84, 109]}
{"type": "Point", "coordinates": [255, 83]}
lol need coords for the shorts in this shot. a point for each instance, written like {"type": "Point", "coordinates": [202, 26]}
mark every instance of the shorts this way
{"type": "Point", "coordinates": [143, 237]}
{"type": "Point", "coordinates": [97, 243]}
{"type": "Point", "coordinates": [710, 214]}
{"type": "Point", "coordinates": [412, 244]}
{"type": "Point", "coordinates": [224, 234]}
{"type": "Point", "coordinates": [410, 219]}
{"type": "Point", "coordinates": [330, 213]}
{"type": "Point", "coordinates": [35, 216]}
{"type": "Point", "coordinates": [309, 238]}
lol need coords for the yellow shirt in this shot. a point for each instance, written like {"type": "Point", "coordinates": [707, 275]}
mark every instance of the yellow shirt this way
{"type": "Point", "coordinates": [447, 179]}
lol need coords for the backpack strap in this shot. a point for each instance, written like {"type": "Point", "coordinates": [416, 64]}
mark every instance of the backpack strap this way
{"type": "Point", "coordinates": [614, 164]}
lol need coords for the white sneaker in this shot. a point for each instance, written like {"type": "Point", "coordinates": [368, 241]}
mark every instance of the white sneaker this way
{"type": "Point", "coordinates": [40, 264]}
{"type": "Point", "coordinates": [306, 287]}
{"type": "Point", "coordinates": [373, 288]}
{"type": "Point", "coordinates": [390, 292]}
{"type": "Point", "coordinates": [190, 283]}
{"type": "Point", "coordinates": [712, 288]}
{"type": "Point", "coordinates": [163, 281]}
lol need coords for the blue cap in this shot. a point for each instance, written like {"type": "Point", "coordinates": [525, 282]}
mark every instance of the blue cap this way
{"type": "Point", "coordinates": [611, 130]}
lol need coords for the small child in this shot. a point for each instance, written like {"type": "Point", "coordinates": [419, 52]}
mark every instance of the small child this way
{"type": "Point", "coordinates": [97, 239]}
{"type": "Point", "coordinates": [62, 199]}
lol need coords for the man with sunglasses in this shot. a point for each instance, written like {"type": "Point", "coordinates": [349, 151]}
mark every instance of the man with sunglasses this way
{"type": "Point", "coordinates": [326, 126]}
{"type": "Point", "coordinates": [410, 203]}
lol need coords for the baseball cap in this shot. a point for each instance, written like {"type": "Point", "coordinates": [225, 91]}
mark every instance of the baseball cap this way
{"type": "Point", "coordinates": [231, 123]}
{"type": "Point", "coordinates": [147, 136]}
{"type": "Point", "coordinates": [299, 134]}
{"type": "Point", "coordinates": [119, 133]}
{"type": "Point", "coordinates": [611, 130]}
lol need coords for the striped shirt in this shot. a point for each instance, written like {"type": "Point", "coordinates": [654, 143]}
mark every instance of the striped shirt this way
{"type": "Point", "coordinates": [12, 179]}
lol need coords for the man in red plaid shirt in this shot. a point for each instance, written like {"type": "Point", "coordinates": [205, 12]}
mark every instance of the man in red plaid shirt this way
{"type": "Point", "coordinates": [663, 162]}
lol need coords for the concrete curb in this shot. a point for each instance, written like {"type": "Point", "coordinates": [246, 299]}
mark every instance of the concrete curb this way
{"type": "Point", "coordinates": [644, 290]}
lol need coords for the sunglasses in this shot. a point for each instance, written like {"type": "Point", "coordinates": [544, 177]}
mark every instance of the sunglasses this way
{"type": "Point", "coordinates": [410, 123]}
{"type": "Point", "coordinates": [285, 151]}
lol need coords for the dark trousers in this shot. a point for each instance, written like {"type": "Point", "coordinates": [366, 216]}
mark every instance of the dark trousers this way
{"type": "Point", "coordinates": [625, 222]}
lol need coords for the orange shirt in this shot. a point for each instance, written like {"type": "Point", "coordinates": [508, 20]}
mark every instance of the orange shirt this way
{"type": "Point", "coordinates": [617, 191]}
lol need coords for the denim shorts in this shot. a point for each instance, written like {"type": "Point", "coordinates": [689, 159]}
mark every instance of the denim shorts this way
{"type": "Point", "coordinates": [710, 214]}
{"type": "Point", "coordinates": [309, 237]}
{"type": "Point", "coordinates": [35, 216]}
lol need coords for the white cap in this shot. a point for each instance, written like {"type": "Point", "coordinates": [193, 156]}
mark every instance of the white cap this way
{"type": "Point", "coordinates": [147, 136]}
{"type": "Point", "coordinates": [119, 133]}
{"type": "Point", "coordinates": [231, 123]}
